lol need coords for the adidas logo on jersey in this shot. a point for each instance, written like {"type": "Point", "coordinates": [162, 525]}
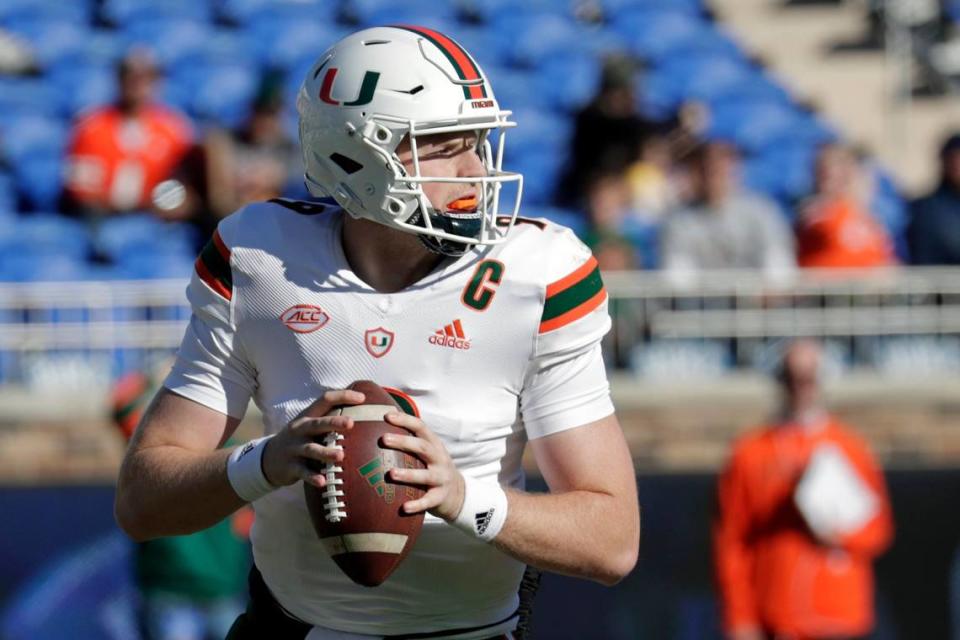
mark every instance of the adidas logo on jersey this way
{"type": "Point", "coordinates": [450, 336]}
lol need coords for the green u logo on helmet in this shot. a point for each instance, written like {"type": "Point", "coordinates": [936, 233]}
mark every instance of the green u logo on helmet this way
{"type": "Point", "coordinates": [367, 87]}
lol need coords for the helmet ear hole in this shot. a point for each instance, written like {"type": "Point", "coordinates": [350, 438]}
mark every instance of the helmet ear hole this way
{"type": "Point", "coordinates": [349, 165]}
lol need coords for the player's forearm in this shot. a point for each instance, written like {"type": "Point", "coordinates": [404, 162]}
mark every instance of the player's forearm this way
{"type": "Point", "coordinates": [167, 490]}
{"type": "Point", "coordinates": [577, 533]}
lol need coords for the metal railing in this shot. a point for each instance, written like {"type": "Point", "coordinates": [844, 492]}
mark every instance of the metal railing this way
{"type": "Point", "coordinates": [740, 309]}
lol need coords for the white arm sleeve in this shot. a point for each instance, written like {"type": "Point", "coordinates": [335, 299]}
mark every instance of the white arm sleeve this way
{"type": "Point", "coordinates": [565, 385]}
{"type": "Point", "coordinates": [211, 368]}
{"type": "Point", "coordinates": [566, 394]}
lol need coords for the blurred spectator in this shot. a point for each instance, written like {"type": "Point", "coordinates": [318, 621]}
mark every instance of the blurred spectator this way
{"type": "Point", "coordinates": [191, 587]}
{"type": "Point", "coordinates": [607, 132]}
{"type": "Point", "coordinates": [613, 252]}
{"type": "Point", "coordinates": [611, 216]}
{"type": "Point", "coordinates": [802, 512]}
{"type": "Point", "coordinates": [257, 162]}
{"type": "Point", "coordinates": [650, 178]}
{"type": "Point", "coordinates": [835, 228]}
{"type": "Point", "coordinates": [120, 152]}
{"type": "Point", "coordinates": [934, 231]}
{"type": "Point", "coordinates": [724, 226]}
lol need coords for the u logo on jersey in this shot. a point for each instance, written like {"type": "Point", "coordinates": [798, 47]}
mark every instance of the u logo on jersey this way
{"type": "Point", "coordinates": [378, 341]}
{"type": "Point", "coordinates": [367, 87]}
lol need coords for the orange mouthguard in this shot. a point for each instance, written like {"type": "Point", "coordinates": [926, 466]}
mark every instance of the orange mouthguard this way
{"type": "Point", "coordinates": [463, 204]}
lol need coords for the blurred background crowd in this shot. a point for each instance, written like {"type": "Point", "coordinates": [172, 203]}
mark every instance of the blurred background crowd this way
{"type": "Point", "coordinates": [643, 125]}
{"type": "Point", "coordinates": [746, 172]}
{"type": "Point", "coordinates": [129, 128]}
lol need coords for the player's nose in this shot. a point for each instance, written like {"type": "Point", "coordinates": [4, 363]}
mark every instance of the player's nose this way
{"type": "Point", "coordinates": [470, 165]}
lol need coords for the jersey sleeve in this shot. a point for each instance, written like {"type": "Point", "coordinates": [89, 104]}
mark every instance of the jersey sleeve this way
{"type": "Point", "coordinates": [211, 367]}
{"type": "Point", "coordinates": [566, 383]}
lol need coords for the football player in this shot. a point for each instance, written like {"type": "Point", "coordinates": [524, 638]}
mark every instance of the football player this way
{"type": "Point", "coordinates": [412, 275]}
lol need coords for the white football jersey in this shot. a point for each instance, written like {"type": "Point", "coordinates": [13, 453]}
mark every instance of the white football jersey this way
{"type": "Point", "coordinates": [490, 350]}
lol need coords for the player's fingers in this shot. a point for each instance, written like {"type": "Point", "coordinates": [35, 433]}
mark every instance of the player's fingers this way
{"type": "Point", "coordinates": [412, 423]}
{"type": "Point", "coordinates": [314, 451]}
{"type": "Point", "coordinates": [419, 477]}
{"type": "Point", "coordinates": [310, 476]}
{"type": "Point", "coordinates": [315, 426]}
{"type": "Point", "coordinates": [430, 499]}
{"type": "Point", "coordinates": [411, 444]}
{"type": "Point", "coordinates": [336, 397]}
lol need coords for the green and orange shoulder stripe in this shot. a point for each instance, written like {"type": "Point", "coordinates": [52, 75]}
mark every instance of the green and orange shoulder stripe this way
{"type": "Point", "coordinates": [213, 267]}
{"type": "Point", "coordinates": [573, 296]}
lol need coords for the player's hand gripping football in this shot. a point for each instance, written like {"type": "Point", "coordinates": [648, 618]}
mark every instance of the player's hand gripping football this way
{"type": "Point", "coordinates": [444, 483]}
{"type": "Point", "coordinates": [289, 454]}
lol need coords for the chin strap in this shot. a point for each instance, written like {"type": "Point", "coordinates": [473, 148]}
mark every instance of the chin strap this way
{"type": "Point", "coordinates": [443, 247]}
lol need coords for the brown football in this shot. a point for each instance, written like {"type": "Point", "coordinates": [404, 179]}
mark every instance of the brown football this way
{"type": "Point", "coordinates": [359, 514]}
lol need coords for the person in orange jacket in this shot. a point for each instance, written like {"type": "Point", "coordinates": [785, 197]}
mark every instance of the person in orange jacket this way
{"type": "Point", "coordinates": [835, 228]}
{"type": "Point", "coordinates": [802, 513]}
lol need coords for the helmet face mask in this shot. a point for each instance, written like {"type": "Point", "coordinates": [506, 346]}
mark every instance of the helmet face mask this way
{"type": "Point", "coordinates": [404, 83]}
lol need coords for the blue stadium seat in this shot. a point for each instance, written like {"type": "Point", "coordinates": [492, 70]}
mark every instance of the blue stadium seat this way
{"type": "Point", "coordinates": [83, 86]}
{"type": "Point", "coordinates": [27, 135]}
{"type": "Point", "coordinates": [704, 78]}
{"type": "Point", "coordinates": [538, 129]}
{"type": "Point", "coordinates": [611, 8]}
{"type": "Point", "coordinates": [568, 81]}
{"type": "Point", "coordinates": [215, 92]}
{"type": "Point", "coordinates": [30, 96]}
{"type": "Point", "coordinates": [655, 35]}
{"type": "Point", "coordinates": [514, 89]}
{"type": "Point", "coordinates": [46, 234]}
{"type": "Point", "coordinates": [487, 11]}
{"type": "Point", "coordinates": [119, 237]}
{"type": "Point", "coordinates": [249, 12]}
{"type": "Point", "coordinates": [427, 13]}
{"type": "Point", "coordinates": [76, 11]}
{"type": "Point", "coordinates": [755, 125]}
{"type": "Point", "coordinates": [155, 266]}
{"type": "Point", "coordinates": [541, 168]}
{"type": "Point", "coordinates": [529, 38]}
{"type": "Point", "coordinates": [24, 267]}
{"type": "Point", "coordinates": [52, 41]}
{"type": "Point", "coordinates": [783, 172]}
{"type": "Point", "coordinates": [122, 12]}
{"type": "Point", "coordinates": [40, 181]}
{"type": "Point", "coordinates": [443, 21]}
{"type": "Point", "coordinates": [481, 44]}
{"type": "Point", "coordinates": [172, 40]}
{"type": "Point", "coordinates": [104, 47]}
{"type": "Point", "coordinates": [285, 42]}
{"type": "Point", "coordinates": [8, 198]}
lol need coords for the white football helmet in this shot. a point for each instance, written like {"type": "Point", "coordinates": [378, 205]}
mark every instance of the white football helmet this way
{"type": "Point", "coordinates": [378, 86]}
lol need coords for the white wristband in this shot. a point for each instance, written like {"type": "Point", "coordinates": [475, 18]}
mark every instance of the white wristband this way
{"type": "Point", "coordinates": [245, 470]}
{"type": "Point", "coordinates": [484, 509]}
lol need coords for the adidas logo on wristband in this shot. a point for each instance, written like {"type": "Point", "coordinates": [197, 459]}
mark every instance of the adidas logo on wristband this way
{"type": "Point", "coordinates": [483, 521]}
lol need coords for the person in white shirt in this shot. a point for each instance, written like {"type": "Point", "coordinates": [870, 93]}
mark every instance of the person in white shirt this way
{"type": "Point", "coordinates": [488, 325]}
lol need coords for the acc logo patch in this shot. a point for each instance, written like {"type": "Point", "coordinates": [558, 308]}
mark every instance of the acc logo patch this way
{"type": "Point", "coordinates": [304, 318]}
